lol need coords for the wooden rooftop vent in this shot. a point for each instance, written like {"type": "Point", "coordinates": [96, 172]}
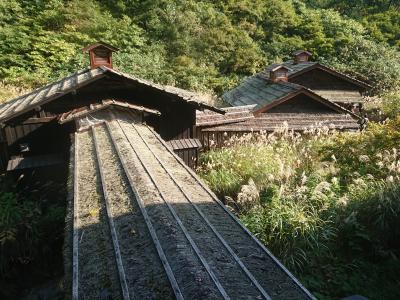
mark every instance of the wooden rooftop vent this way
{"type": "Point", "coordinates": [100, 54]}
{"type": "Point", "coordinates": [301, 56]}
{"type": "Point", "coordinates": [279, 73]}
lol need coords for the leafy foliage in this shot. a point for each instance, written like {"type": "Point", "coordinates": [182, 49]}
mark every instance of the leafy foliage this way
{"type": "Point", "coordinates": [380, 17]}
{"type": "Point", "coordinates": [201, 45]}
{"type": "Point", "coordinates": [31, 234]}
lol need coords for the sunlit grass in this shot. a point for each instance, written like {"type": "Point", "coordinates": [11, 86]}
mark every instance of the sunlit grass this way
{"type": "Point", "coordinates": [314, 198]}
{"type": "Point", "coordinates": [8, 92]}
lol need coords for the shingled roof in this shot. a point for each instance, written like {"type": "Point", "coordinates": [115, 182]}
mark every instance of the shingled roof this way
{"type": "Point", "coordinates": [54, 90]}
{"type": "Point", "coordinates": [256, 90]}
{"type": "Point", "coordinates": [259, 89]}
{"type": "Point", "coordinates": [293, 68]}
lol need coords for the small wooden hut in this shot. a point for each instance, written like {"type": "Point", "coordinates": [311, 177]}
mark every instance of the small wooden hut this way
{"type": "Point", "coordinates": [36, 127]}
{"type": "Point", "coordinates": [271, 100]}
{"type": "Point", "coordinates": [322, 80]}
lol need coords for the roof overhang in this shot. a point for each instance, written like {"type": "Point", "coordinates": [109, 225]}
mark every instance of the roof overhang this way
{"type": "Point", "coordinates": [83, 111]}
{"type": "Point", "coordinates": [55, 90]}
{"type": "Point", "coordinates": [99, 44]}
{"type": "Point", "coordinates": [232, 115]}
{"type": "Point", "coordinates": [297, 52]}
{"type": "Point", "coordinates": [280, 67]}
{"type": "Point", "coordinates": [190, 98]}
{"type": "Point", "coordinates": [4, 117]}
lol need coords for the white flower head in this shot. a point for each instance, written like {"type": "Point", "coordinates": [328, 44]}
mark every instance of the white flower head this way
{"type": "Point", "coordinates": [364, 158]}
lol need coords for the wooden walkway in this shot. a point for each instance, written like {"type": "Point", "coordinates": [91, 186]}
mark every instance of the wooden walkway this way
{"type": "Point", "coordinates": [145, 226]}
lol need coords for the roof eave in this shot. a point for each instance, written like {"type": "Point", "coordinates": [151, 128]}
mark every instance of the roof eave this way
{"type": "Point", "coordinates": [54, 97]}
{"type": "Point", "coordinates": [200, 105]}
{"type": "Point", "coordinates": [203, 106]}
{"type": "Point", "coordinates": [106, 104]}
{"type": "Point", "coordinates": [100, 43]}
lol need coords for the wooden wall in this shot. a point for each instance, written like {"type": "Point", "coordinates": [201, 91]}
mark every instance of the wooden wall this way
{"type": "Point", "coordinates": [217, 139]}
{"type": "Point", "coordinates": [177, 118]}
{"type": "Point", "coordinates": [189, 156]}
{"type": "Point", "coordinates": [301, 104]}
{"type": "Point", "coordinates": [318, 79]}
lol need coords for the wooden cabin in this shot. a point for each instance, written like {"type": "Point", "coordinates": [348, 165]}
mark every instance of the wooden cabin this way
{"type": "Point", "coordinates": [322, 80]}
{"type": "Point", "coordinates": [261, 104]}
{"type": "Point", "coordinates": [36, 127]}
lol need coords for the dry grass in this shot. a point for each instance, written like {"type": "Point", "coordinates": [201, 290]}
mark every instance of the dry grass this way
{"type": "Point", "coordinates": [323, 197]}
{"type": "Point", "coordinates": [8, 92]}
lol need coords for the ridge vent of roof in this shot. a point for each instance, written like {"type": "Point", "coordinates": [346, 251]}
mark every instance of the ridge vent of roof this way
{"type": "Point", "coordinates": [100, 54]}
{"type": "Point", "coordinates": [301, 56]}
{"type": "Point", "coordinates": [279, 73]}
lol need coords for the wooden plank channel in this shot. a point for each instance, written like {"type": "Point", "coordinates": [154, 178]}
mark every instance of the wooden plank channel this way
{"type": "Point", "coordinates": [117, 251]}
{"type": "Point", "coordinates": [245, 230]}
{"type": "Point", "coordinates": [75, 243]}
{"type": "Point", "coordinates": [178, 220]}
{"type": "Point", "coordinates": [160, 251]}
{"type": "Point", "coordinates": [220, 238]}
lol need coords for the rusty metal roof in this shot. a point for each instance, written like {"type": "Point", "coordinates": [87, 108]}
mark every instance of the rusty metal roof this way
{"type": "Point", "coordinates": [54, 90]}
{"type": "Point", "coordinates": [292, 121]}
{"type": "Point", "coordinates": [232, 114]}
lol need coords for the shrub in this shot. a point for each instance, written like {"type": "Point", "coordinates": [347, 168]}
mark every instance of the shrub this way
{"type": "Point", "coordinates": [18, 231]}
{"type": "Point", "coordinates": [31, 234]}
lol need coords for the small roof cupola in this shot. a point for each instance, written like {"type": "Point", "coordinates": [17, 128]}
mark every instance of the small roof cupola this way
{"type": "Point", "coordinates": [279, 73]}
{"type": "Point", "coordinates": [301, 56]}
{"type": "Point", "coordinates": [100, 54]}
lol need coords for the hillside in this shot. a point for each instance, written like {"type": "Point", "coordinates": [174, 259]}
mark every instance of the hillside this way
{"type": "Point", "coordinates": [199, 45]}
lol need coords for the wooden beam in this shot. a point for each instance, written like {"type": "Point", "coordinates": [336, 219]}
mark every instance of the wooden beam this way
{"type": "Point", "coordinates": [39, 120]}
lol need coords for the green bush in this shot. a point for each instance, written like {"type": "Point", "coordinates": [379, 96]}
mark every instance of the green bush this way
{"type": "Point", "coordinates": [31, 235]}
{"type": "Point", "coordinates": [200, 45]}
{"type": "Point", "coordinates": [18, 231]}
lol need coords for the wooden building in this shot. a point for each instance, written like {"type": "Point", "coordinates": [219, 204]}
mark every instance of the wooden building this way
{"type": "Point", "coordinates": [269, 103]}
{"type": "Point", "coordinates": [324, 81]}
{"type": "Point", "coordinates": [36, 127]}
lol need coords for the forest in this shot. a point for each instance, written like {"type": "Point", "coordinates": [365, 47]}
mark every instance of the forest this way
{"type": "Point", "coordinates": [329, 207]}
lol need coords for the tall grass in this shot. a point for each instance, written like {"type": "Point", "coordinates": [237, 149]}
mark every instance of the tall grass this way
{"type": "Point", "coordinates": [316, 198]}
{"type": "Point", "coordinates": [8, 92]}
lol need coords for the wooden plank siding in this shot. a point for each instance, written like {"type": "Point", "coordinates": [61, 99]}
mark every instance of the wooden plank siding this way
{"type": "Point", "coordinates": [317, 79]}
{"type": "Point", "coordinates": [187, 149]}
{"type": "Point", "coordinates": [40, 128]}
{"type": "Point", "coordinates": [189, 156]}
